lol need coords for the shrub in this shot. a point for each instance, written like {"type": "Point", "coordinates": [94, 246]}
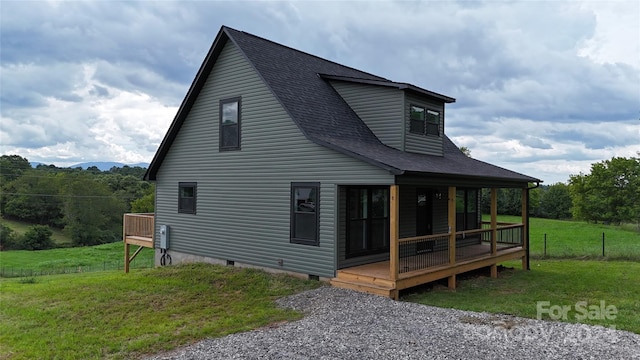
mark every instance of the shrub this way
{"type": "Point", "coordinates": [8, 238]}
{"type": "Point", "coordinates": [38, 237]}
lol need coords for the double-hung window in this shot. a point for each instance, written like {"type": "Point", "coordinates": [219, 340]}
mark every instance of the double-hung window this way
{"type": "Point", "coordinates": [187, 197]}
{"type": "Point", "coordinates": [304, 213]}
{"type": "Point", "coordinates": [230, 124]}
{"type": "Point", "coordinates": [424, 121]}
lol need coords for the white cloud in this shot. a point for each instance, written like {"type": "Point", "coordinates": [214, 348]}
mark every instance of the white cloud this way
{"type": "Point", "coordinates": [543, 88]}
{"type": "Point", "coordinates": [122, 126]}
{"type": "Point", "coordinates": [617, 34]}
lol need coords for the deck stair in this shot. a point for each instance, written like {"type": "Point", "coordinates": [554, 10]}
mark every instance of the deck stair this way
{"type": "Point", "coordinates": [364, 283]}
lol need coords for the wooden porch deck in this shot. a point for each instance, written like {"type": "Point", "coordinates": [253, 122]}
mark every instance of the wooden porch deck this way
{"type": "Point", "coordinates": [137, 230]}
{"type": "Point", "coordinates": [376, 278]}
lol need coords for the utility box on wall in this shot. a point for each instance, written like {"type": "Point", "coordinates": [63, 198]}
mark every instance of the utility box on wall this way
{"type": "Point", "coordinates": [164, 237]}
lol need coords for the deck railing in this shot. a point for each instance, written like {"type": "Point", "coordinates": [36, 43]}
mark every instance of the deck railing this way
{"type": "Point", "coordinates": [471, 243]}
{"type": "Point", "coordinates": [141, 225]}
{"type": "Point", "coordinates": [508, 234]}
{"type": "Point", "coordinates": [423, 252]}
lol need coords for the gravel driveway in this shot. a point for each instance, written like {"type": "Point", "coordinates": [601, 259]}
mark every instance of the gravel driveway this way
{"type": "Point", "coordinates": [343, 324]}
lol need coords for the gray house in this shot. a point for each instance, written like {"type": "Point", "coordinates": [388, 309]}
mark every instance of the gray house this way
{"type": "Point", "coordinates": [283, 160]}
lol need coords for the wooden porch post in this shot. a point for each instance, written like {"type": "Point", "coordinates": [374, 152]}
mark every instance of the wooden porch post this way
{"type": "Point", "coordinates": [394, 228]}
{"type": "Point", "coordinates": [451, 209]}
{"type": "Point", "coordinates": [126, 245]}
{"type": "Point", "coordinates": [525, 227]}
{"type": "Point", "coordinates": [494, 229]}
{"type": "Point", "coordinates": [126, 257]}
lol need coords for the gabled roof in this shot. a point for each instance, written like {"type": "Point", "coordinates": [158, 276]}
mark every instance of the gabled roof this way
{"type": "Point", "coordinates": [298, 80]}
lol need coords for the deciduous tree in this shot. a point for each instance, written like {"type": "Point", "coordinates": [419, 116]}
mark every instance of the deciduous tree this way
{"type": "Point", "coordinates": [609, 193]}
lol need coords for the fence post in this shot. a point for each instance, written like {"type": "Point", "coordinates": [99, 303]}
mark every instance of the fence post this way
{"type": "Point", "coordinates": [545, 245]}
{"type": "Point", "coordinates": [602, 244]}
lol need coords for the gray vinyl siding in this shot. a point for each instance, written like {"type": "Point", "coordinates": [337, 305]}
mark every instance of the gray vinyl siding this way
{"type": "Point", "coordinates": [243, 197]}
{"type": "Point", "coordinates": [407, 212]}
{"type": "Point", "coordinates": [408, 208]}
{"type": "Point", "coordinates": [440, 214]}
{"type": "Point", "coordinates": [423, 144]}
{"type": "Point", "coordinates": [381, 108]}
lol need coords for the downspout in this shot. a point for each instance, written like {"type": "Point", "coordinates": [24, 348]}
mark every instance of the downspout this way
{"type": "Point", "coordinates": [527, 224]}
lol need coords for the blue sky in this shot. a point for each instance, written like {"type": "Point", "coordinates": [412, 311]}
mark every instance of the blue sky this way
{"type": "Point", "coordinates": [543, 88]}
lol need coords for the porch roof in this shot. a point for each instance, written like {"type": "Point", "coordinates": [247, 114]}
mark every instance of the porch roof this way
{"type": "Point", "coordinates": [452, 164]}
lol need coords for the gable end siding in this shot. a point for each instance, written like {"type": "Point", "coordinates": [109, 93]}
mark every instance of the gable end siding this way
{"type": "Point", "coordinates": [243, 209]}
{"type": "Point", "coordinates": [379, 107]}
{"type": "Point", "coordinates": [423, 144]}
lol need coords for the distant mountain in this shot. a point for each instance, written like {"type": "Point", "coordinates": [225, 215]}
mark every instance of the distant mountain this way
{"type": "Point", "coordinates": [106, 165]}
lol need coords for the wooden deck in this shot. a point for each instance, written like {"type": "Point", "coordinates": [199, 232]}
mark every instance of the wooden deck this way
{"type": "Point", "coordinates": [376, 279]}
{"type": "Point", "coordinates": [137, 230]}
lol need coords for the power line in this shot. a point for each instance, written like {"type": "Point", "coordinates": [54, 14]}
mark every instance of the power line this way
{"type": "Point", "coordinates": [64, 196]}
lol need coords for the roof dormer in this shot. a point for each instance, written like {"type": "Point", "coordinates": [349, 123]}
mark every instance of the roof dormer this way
{"type": "Point", "coordinates": [402, 116]}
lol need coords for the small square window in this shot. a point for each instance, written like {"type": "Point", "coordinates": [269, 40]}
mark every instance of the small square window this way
{"type": "Point", "coordinates": [230, 124]}
{"type": "Point", "coordinates": [187, 197]}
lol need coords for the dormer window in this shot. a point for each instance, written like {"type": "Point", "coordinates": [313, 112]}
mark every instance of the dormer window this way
{"type": "Point", "coordinates": [424, 121]}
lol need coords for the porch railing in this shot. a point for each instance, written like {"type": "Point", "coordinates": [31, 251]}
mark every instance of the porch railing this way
{"type": "Point", "coordinates": [423, 252]}
{"type": "Point", "coordinates": [141, 225]}
{"type": "Point", "coordinates": [471, 243]}
{"type": "Point", "coordinates": [508, 234]}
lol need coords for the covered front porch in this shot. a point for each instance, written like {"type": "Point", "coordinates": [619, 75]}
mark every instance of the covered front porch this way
{"type": "Point", "coordinates": [416, 260]}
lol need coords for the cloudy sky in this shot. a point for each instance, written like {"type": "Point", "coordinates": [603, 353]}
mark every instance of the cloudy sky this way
{"type": "Point", "coordinates": [543, 88]}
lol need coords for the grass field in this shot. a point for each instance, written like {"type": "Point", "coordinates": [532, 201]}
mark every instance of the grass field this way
{"type": "Point", "coordinates": [59, 237]}
{"type": "Point", "coordinates": [560, 282]}
{"type": "Point", "coordinates": [578, 239]}
{"type": "Point", "coordinates": [108, 314]}
{"type": "Point", "coordinates": [65, 260]}
{"type": "Point", "coordinates": [112, 315]}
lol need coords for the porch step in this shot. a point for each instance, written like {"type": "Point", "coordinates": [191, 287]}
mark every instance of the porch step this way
{"type": "Point", "coordinates": [363, 283]}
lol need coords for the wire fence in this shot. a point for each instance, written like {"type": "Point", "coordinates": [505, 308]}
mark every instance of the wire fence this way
{"type": "Point", "coordinates": [13, 272]}
{"type": "Point", "coordinates": [599, 245]}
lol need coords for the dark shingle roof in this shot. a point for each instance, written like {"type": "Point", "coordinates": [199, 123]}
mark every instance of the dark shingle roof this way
{"type": "Point", "coordinates": [294, 78]}
{"type": "Point", "coordinates": [299, 82]}
{"type": "Point", "coordinates": [393, 84]}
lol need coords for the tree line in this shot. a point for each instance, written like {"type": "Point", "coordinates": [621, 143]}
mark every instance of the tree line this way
{"type": "Point", "coordinates": [86, 204]}
{"type": "Point", "coordinates": [609, 193]}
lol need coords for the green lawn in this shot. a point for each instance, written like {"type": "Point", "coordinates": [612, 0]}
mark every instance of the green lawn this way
{"type": "Point", "coordinates": [558, 282]}
{"type": "Point", "coordinates": [78, 259]}
{"type": "Point", "coordinates": [114, 315]}
{"type": "Point", "coordinates": [59, 237]}
{"type": "Point", "coordinates": [578, 239]}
